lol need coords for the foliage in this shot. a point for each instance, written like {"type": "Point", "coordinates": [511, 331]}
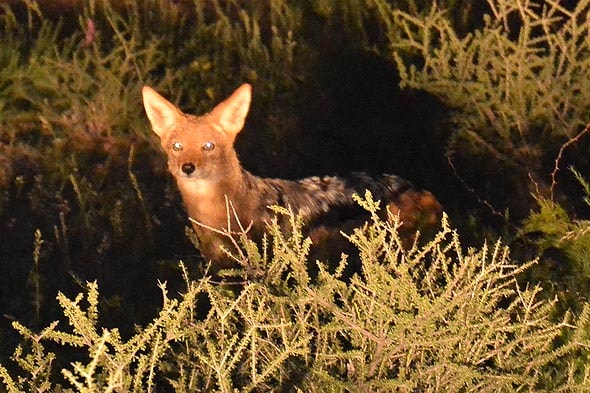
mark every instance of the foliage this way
{"type": "Point", "coordinates": [77, 160]}
{"type": "Point", "coordinates": [563, 240]}
{"type": "Point", "coordinates": [81, 181]}
{"type": "Point", "coordinates": [431, 318]}
{"type": "Point", "coordinates": [518, 84]}
{"type": "Point", "coordinates": [77, 164]}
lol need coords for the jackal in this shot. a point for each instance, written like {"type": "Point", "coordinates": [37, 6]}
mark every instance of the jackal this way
{"type": "Point", "coordinates": [202, 159]}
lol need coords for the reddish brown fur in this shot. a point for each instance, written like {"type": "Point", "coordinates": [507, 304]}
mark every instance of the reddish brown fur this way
{"type": "Point", "coordinates": [204, 163]}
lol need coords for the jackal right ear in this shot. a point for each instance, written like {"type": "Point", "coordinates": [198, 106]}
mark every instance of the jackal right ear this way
{"type": "Point", "coordinates": [161, 112]}
{"type": "Point", "coordinates": [231, 113]}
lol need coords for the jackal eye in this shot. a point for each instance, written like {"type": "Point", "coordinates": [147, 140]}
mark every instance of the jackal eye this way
{"type": "Point", "coordinates": [208, 146]}
{"type": "Point", "coordinates": [177, 146]}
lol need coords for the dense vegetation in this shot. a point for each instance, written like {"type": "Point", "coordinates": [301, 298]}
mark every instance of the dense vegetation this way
{"type": "Point", "coordinates": [486, 105]}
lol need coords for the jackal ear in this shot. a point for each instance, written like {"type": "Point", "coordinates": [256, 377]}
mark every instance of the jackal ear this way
{"type": "Point", "coordinates": [161, 112]}
{"type": "Point", "coordinates": [231, 113]}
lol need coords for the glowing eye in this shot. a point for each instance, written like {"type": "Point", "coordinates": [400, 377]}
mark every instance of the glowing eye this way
{"type": "Point", "coordinates": [177, 146]}
{"type": "Point", "coordinates": [208, 146]}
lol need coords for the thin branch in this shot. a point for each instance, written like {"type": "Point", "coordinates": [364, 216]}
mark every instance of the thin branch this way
{"type": "Point", "coordinates": [560, 155]}
{"type": "Point", "coordinates": [472, 190]}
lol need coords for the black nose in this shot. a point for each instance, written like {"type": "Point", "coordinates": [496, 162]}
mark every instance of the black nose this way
{"type": "Point", "coordinates": [188, 168]}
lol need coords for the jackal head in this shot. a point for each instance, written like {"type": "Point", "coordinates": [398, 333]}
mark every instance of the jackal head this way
{"type": "Point", "coordinates": [199, 148]}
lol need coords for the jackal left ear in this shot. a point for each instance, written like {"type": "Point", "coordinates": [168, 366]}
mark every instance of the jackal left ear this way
{"type": "Point", "coordinates": [161, 112]}
{"type": "Point", "coordinates": [231, 113]}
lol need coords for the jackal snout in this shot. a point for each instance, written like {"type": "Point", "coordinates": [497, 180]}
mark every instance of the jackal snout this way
{"type": "Point", "coordinates": [188, 168]}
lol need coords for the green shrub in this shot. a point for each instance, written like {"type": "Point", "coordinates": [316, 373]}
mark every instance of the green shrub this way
{"type": "Point", "coordinates": [77, 158]}
{"type": "Point", "coordinates": [563, 240]}
{"type": "Point", "coordinates": [432, 318]}
{"type": "Point", "coordinates": [77, 162]}
{"type": "Point", "coordinates": [518, 85]}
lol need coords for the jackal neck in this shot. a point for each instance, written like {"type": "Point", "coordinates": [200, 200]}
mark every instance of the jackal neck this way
{"type": "Point", "coordinates": [211, 202]}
